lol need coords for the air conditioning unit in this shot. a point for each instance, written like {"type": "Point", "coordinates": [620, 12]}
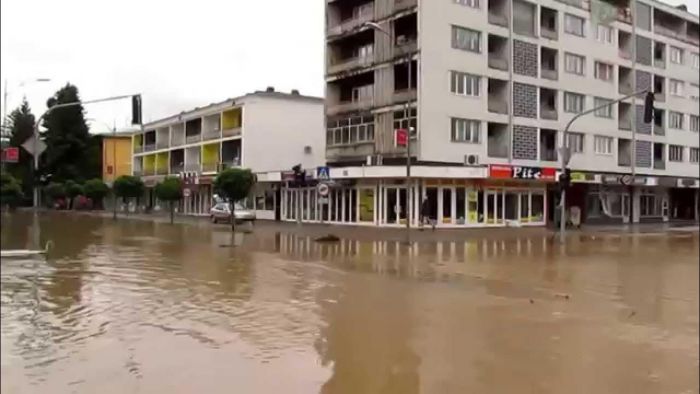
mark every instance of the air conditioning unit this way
{"type": "Point", "coordinates": [471, 160]}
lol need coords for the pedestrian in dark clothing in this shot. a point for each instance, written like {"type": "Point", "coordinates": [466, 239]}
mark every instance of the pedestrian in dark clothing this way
{"type": "Point", "coordinates": [426, 213]}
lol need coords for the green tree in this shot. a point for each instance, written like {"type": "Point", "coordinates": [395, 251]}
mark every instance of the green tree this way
{"type": "Point", "coordinates": [68, 142]}
{"type": "Point", "coordinates": [73, 190]}
{"type": "Point", "coordinates": [234, 184]}
{"type": "Point", "coordinates": [170, 190]}
{"type": "Point", "coordinates": [10, 191]}
{"type": "Point", "coordinates": [55, 191]}
{"type": "Point", "coordinates": [127, 186]}
{"type": "Point", "coordinates": [96, 190]}
{"type": "Point", "coordinates": [21, 123]}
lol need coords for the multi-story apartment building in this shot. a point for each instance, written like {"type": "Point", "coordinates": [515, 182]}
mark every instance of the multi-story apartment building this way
{"type": "Point", "coordinates": [265, 131]}
{"type": "Point", "coordinates": [488, 98]}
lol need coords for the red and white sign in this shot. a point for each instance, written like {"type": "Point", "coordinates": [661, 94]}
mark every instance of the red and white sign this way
{"type": "Point", "coordinates": [10, 155]}
{"type": "Point", "coordinates": [522, 172]}
{"type": "Point", "coordinates": [401, 136]}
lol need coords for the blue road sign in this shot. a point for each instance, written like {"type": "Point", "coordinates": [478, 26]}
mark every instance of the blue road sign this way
{"type": "Point", "coordinates": [323, 173]}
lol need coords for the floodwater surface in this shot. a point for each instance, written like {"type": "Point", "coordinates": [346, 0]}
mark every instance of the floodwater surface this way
{"type": "Point", "coordinates": [144, 307]}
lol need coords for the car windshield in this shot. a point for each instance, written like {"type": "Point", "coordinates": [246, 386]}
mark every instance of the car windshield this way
{"type": "Point", "coordinates": [224, 206]}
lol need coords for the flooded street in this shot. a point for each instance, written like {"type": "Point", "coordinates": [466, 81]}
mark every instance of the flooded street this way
{"type": "Point", "coordinates": [142, 307]}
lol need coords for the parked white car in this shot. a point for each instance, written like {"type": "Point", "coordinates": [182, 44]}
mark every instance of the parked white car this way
{"type": "Point", "coordinates": [221, 213]}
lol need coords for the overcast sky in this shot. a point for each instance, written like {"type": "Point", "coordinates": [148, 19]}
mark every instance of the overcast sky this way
{"type": "Point", "coordinates": [178, 54]}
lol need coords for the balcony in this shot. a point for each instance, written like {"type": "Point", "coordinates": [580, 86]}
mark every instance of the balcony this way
{"type": "Point", "coordinates": [659, 165]}
{"type": "Point", "coordinates": [177, 168]}
{"type": "Point", "coordinates": [549, 74]}
{"type": "Point", "coordinates": [548, 63]}
{"type": "Point", "coordinates": [624, 123]}
{"type": "Point", "coordinates": [497, 140]}
{"type": "Point", "coordinates": [624, 161]}
{"type": "Point", "coordinates": [350, 64]}
{"type": "Point", "coordinates": [230, 164]}
{"type": "Point", "coordinates": [404, 4]}
{"type": "Point", "coordinates": [190, 139]}
{"type": "Point", "coordinates": [497, 52]}
{"type": "Point", "coordinates": [548, 23]}
{"type": "Point", "coordinates": [498, 63]}
{"type": "Point", "coordinates": [497, 105]}
{"type": "Point", "coordinates": [162, 171]}
{"type": "Point", "coordinates": [162, 145]}
{"type": "Point", "coordinates": [149, 171]}
{"type": "Point", "coordinates": [138, 172]}
{"type": "Point", "coordinates": [350, 106]}
{"type": "Point", "coordinates": [625, 88]}
{"type": "Point", "coordinates": [193, 167]}
{"type": "Point", "coordinates": [405, 95]}
{"type": "Point", "coordinates": [209, 167]}
{"type": "Point", "coordinates": [211, 135]}
{"type": "Point", "coordinates": [350, 24]}
{"type": "Point", "coordinates": [178, 140]}
{"type": "Point", "coordinates": [231, 132]}
{"type": "Point", "coordinates": [548, 113]}
{"type": "Point", "coordinates": [138, 148]}
{"type": "Point", "coordinates": [149, 147]}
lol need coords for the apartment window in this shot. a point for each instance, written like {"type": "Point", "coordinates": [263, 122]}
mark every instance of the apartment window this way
{"type": "Point", "coordinates": [605, 112]}
{"type": "Point", "coordinates": [604, 34]}
{"type": "Point", "coordinates": [573, 25]}
{"type": "Point", "coordinates": [574, 64]}
{"type": "Point", "coordinates": [694, 123]}
{"type": "Point", "coordinates": [676, 55]}
{"type": "Point", "coordinates": [468, 3]}
{"type": "Point", "coordinates": [694, 155]}
{"type": "Point", "coordinates": [401, 121]}
{"type": "Point", "coordinates": [694, 92]}
{"type": "Point", "coordinates": [695, 60]}
{"type": "Point", "coordinates": [604, 71]}
{"type": "Point", "coordinates": [465, 130]}
{"type": "Point", "coordinates": [603, 145]}
{"type": "Point", "coordinates": [675, 153]}
{"type": "Point", "coordinates": [466, 39]}
{"type": "Point", "coordinates": [356, 129]}
{"type": "Point", "coordinates": [676, 87]}
{"type": "Point", "coordinates": [574, 102]}
{"type": "Point", "coordinates": [675, 120]}
{"type": "Point", "coordinates": [464, 84]}
{"type": "Point", "coordinates": [575, 142]}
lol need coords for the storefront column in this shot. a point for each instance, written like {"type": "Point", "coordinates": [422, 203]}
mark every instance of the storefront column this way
{"type": "Point", "coordinates": [635, 205]}
{"type": "Point", "coordinates": [697, 203]}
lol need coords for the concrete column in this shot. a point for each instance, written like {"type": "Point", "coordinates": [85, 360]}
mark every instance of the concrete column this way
{"type": "Point", "coordinates": [635, 205]}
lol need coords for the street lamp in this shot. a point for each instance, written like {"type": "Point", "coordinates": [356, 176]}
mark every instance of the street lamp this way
{"type": "Point", "coordinates": [409, 190]}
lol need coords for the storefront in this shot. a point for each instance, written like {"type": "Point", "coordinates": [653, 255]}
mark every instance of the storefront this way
{"type": "Point", "coordinates": [502, 195]}
{"type": "Point", "coordinates": [197, 195]}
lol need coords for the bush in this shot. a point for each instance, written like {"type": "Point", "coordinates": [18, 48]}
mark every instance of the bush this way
{"type": "Point", "coordinates": [73, 190]}
{"type": "Point", "coordinates": [96, 190]}
{"type": "Point", "coordinates": [127, 186]}
{"type": "Point", "coordinates": [56, 192]}
{"type": "Point", "coordinates": [234, 184]}
{"type": "Point", "coordinates": [170, 190]}
{"type": "Point", "coordinates": [10, 191]}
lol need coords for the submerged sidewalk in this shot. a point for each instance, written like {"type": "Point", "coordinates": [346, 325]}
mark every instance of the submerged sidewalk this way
{"type": "Point", "coordinates": [417, 235]}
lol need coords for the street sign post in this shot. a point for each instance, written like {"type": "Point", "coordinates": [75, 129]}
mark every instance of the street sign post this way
{"type": "Point", "coordinates": [28, 145]}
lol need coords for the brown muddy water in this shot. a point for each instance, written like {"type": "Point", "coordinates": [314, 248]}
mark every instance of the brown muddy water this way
{"type": "Point", "coordinates": [143, 307]}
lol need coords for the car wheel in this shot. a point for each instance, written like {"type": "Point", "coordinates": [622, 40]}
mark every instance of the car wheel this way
{"type": "Point", "coordinates": [213, 219]}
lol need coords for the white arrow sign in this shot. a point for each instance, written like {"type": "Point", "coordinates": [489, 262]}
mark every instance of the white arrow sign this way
{"type": "Point", "coordinates": [29, 146]}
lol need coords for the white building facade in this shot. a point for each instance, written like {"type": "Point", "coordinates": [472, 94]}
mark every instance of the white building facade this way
{"type": "Point", "coordinates": [484, 151]}
{"type": "Point", "coordinates": [264, 131]}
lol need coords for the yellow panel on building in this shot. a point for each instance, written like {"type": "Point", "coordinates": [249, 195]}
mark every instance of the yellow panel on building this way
{"type": "Point", "coordinates": [116, 157]}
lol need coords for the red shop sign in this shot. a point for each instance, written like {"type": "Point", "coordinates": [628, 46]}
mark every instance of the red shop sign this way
{"type": "Point", "coordinates": [522, 172]}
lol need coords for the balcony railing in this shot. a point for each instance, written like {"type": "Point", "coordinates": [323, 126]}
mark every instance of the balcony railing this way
{"type": "Point", "coordinates": [659, 165]}
{"type": "Point", "coordinates": [497, 150]}
{"type": "Point", "coordinates": [149, 171]}
{"type": "Point", "coordinates": [659, 63]}
{"type": "Point", "coordinates": [149, 147]}
{"type": "Point", "coordinates": [349, 106]}
{"type": "Point", "coordinates": [548, 113]}
{"type": "Point", "coordinates": [548, 155]}
{"type": "Point", "coordinates": [178, 141]}
{"type": "Point", "coordinates": [138, 172]}
{"type": "Point", "coordinates": [403, 4]}
{"type": "Point", "coordinates": [231, 132]}
{"type": "Point", "coordinates": [404, 95]}
{"type": "Point", "coordinates": [138, 148]}
{"type": "Point", "coordinates": [624, 123]}
{"type": "Point", "coordinates": [549, 33]}
{"type": "Point", "coordinates": [209, 167]}
{"type": "Point", "coordinates": [498, 63]}
{"type": "Point", "coordinates": [162, 144]}
{"type": "Point", "coordinates": [624, 161]}
{"type": "Point", "coordinates": [498, 19]}
{"type": "Point", "coordinates": [211, 134]}
{"type": "Point", "coordinates": [350, 24]}
{"type": "Point", "coordinates": [549, 74]}
{"type": "Point", "coordinates": [625, 54]}
{"type": "Point", "coordinates": [177, 168]}
{"type": "Point", "coordinates": [193, 167]}
{"type": "Point", "coordinates": [162, 171]}
{"type": "Point", "coordinates": [229, 164]}
{"type": "Point", "coordinates": [352, 63]}
{"type": "Point", "coordinates": [625, 88]}
{"type": "Point", "coordinates": [193, 138]}
{"type": "Point", "coordinates": [659, 129]}
{"type": "Point", "coordinates": [498, 106]}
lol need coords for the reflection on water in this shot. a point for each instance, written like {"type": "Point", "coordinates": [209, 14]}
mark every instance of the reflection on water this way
{"type": "Point", "coordinates": [134, 306]}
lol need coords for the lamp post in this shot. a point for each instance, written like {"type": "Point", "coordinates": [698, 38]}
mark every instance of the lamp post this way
{"type": "Point", "coordinates": [409, 189]}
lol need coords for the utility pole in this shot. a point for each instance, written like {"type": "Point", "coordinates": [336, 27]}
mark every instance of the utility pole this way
{"type": "Point", "coordinates": [114, 168]}
{"type": "Point", "coordinates": [409, 188]}
{"type": "Point", "coordinates": [633, 164]}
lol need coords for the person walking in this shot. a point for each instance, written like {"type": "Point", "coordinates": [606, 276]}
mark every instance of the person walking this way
{"type": "Point", "coordinates": [425, 214]}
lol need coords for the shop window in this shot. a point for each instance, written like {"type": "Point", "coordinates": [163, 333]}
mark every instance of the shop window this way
{"type": "Point", "coordinates": [649, 205]}
{"type": "Point", "coordinates": [460, 199]}
{"type": "Point", "coordinates": [594, 208]}
{"type": "Point", "coordinates": [525, 207]}
{"type": "Point", "coordinates": [537, 207]}
{"type": "Point", "coordinates": [447, 205]}
{"type": "Point", "coordinates": [366, 205]}
{"type": "Point", "coordinates": [475, 199]}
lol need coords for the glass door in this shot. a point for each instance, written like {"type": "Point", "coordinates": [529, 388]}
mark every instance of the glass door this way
{"type": "Point", "coordinates": [493, 208]}
{"type": "Point", "coordinates": [625, 208]}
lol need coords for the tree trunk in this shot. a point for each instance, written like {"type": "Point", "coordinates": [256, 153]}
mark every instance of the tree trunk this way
{"type": "Point", "coordinates": [172, 212]}
{"type": "Point", "coordinates": [232, 207]}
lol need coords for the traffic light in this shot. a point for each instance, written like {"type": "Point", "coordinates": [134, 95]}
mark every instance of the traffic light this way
{"type": "Point", "coordinates": [649, 108]}
{"type": "Point", "coordinates": [565, 179]}
{"type": "Point", "coordinates": [136, 109]}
